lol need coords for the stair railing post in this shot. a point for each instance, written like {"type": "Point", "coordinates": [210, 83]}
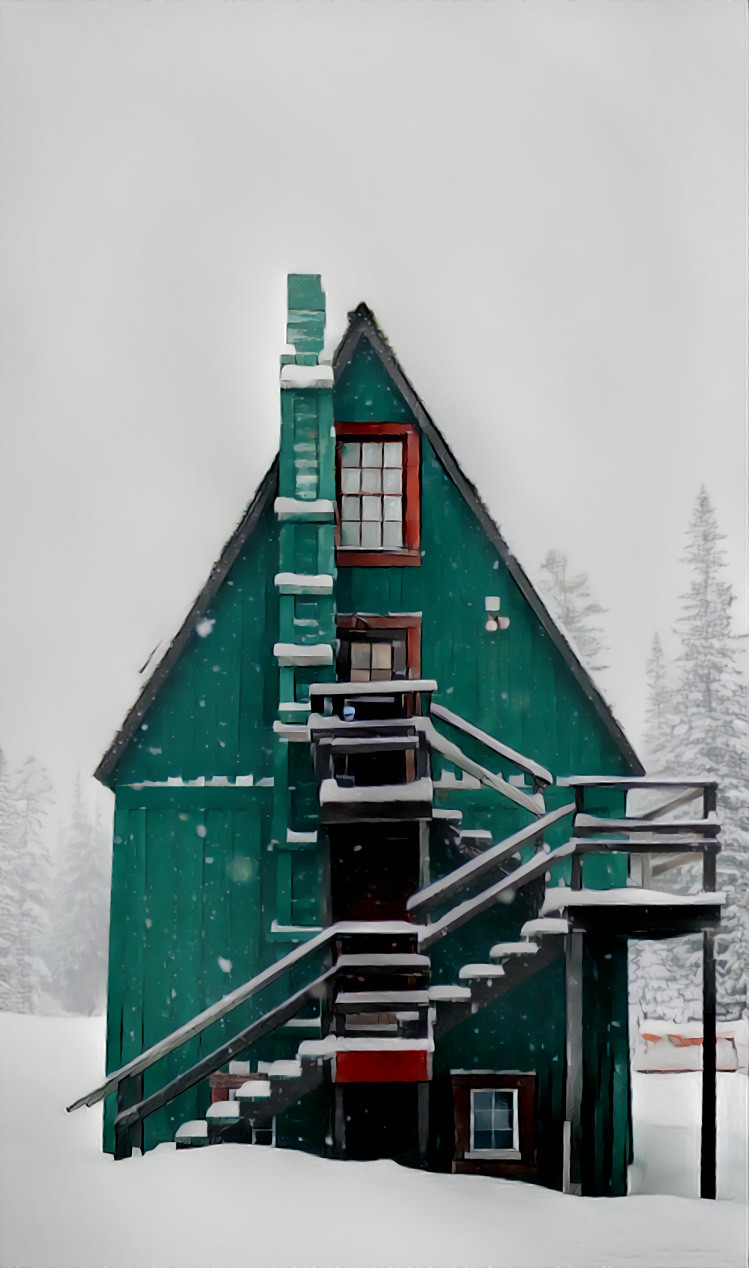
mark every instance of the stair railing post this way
{"type": "Point", "coordinates": [708, 1143]}
{"type": "Point", "coordinates": [129, 1092]}
{"type": "Point", "coordinates": [339, 1122]}
{"type": "Point", "coordinates": [708, 1182]}
{"type": "Point", "coordinates": [573, 1061]}
{"type": "Point", "coordinates": [576, 865]}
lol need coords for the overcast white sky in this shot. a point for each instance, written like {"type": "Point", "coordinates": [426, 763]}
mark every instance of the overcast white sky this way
{"type": "Point", "coordinates": [544, 202]}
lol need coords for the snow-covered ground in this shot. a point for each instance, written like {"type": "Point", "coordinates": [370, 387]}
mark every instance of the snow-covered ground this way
{"type": "Point", "coordinates": [64, 1205]}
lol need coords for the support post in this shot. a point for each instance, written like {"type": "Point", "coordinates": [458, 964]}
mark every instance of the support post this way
{"type": "Point", "coordinates": [129, 1092]}
{"type": "Point", "coordinates": [423, 1112]}
{"type": "Point", "coordinates": [339, 1122]}
{"type": "Point", "coordinates": [573, 1060]}
{"type": "Point", "coordinates": [708, 1152]}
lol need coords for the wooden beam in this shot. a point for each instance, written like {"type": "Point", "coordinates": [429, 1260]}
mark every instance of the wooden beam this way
{"type": "Point", "coordinates": [708, 1179]}
{"type": "Point", "coordinates": [682, 800]}
{"type": "Point", "coordinates": [573, 1059]}
{"type": "Point", "coordinates": [209, 1015]}
{"type": "Point", "coordinates": [526, 764]}
{"type": "Point", "coordinates": [484, 863]}
{"type": "Point", "coordinates": [209, 1064]}
{"type": "Point", "coordinates": [460, 915]}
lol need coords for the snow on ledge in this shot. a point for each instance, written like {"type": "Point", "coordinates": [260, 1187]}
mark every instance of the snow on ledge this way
{"type": "Point", "coordinates": [547, 924]}
{"type": "Point", "coordinates": [449, 993]}
{"type": "Point", "coordinates": [253, 1090]}
{"type": "Point", "coordinates": [294, 508]}
{"type": "Point", "coordinates": [301, 376]}
{"type": "Point", "coordinates": [633, 896]}
{"type": "Point", "coordinates": [513, 948]}
{"type": "Point", "coordinates": [190, 1131]}
{"type": "Point", "coordinates": [224, 1109]}
{"type": "Point", "coordinates": [288, 654]}
{"type": "Point", "coordinates": [312, 583]}
{"type": "Point", "coordinates": [388, 687]}
{"type": "Point", "coordinates": [419, 790]}
{"type": "Point", "coordinates": [490, 971]}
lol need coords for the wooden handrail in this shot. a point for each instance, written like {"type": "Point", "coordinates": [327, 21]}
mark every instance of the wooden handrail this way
{"type": "Point", "coordinates": [538, 773]}
{"type": "Point", "coordinates": [484, 863]}
{"type": "Point", "coordinates": [208, 1065]}
{"type": "Point", "coordinates": [529, 801]}
{"type": "Point", "coordinates": [231, 1001]}
{"type": "Point", "coordinates": [460, 915]}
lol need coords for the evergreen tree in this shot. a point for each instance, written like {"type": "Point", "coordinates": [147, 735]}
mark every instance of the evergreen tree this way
{"type": "Point", "coordinates": [711, 735]}
{"type": "Point", "coordinates": [659, 713]}
{"type": "Point", "coordinates": [698, 726]}
{"type": "Point", "coordinates": [79, 979]}
{"type": "Point", "coordinates": [32, 797]}
{"type": "Point", "coordinates": [571, 604]}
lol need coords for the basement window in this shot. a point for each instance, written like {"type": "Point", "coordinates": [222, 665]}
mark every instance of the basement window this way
{"type": "Point", "coordinates": [495, 1129]}
{"type": "Point", "coordinates": [377, 474]}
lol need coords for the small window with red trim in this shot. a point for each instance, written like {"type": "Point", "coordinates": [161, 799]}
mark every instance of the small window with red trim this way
{"type": "Point", "coordinates": [377, 474]}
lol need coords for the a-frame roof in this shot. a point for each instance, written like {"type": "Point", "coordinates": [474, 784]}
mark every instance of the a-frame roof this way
{"type": "Point", "coordinates": [363, 326]}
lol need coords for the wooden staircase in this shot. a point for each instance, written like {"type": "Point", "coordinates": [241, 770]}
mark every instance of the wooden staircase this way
{"type": "Point", "coordinates": [372, 745]}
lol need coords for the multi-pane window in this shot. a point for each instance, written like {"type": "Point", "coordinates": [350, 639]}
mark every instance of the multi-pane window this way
{"type": "Point", "coordinates": [494, 1120]}
{"type": "Point", "coordinates": [377, 660]}
{"type": "Point", "coordinates": [372, 498]}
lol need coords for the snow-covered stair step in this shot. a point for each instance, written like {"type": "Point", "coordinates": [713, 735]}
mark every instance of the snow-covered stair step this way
{"type": "Point", "coordinates": [475, 836]}
{"type": "Point", "coordinates": [384, 960]}
{"type": "Point", "coordinates": [473, 972]}
{"type": "Point", "coordinates": [504, 950]}
{"type": "Point", "coordinates": [446, 812]}
{"type": "Point", "coordinates": [281, 1069]}
{"type": "Point", "coordinates": [585, 824]}
{"type": "Point", "coordinates": [254, 1090]}
{"type": "Point", "coordinates": [191, 1135]}
{"type": "Point", "coordinates": [317, 1049]}
{"type": "Point", "coordinates": [239, 1067]}
{"type": "Point", "coordinates": [448, 994]}
{"type": "Point", "coordinates": [544, 925]}
{"type": "Point", "coordinates": [222, 1112]}
{"type": "Point", "coordinates": [389, 1000]}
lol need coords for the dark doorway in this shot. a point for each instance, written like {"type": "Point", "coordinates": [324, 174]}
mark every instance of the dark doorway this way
{"type": "Point", "coordinates": [374, 870]}
{"type": "Point", "coordinates": [381, 1119]}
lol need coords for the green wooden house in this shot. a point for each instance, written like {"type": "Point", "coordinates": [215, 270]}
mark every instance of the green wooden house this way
{"type": "Point", "coordinates": [373, 873]}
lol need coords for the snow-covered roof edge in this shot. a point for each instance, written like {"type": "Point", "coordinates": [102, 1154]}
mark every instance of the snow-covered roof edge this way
{"type": "Point", "coordinates": [262, 498]}
{"type": "Point", "coordinates": [362, 323]}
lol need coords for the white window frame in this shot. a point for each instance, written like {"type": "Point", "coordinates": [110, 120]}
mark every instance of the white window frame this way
{"type": "Point", "coordinates": [498, 1153]}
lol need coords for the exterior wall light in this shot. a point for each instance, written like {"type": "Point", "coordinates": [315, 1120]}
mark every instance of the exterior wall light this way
{"type": "Point", "coordinates": [494, 620]}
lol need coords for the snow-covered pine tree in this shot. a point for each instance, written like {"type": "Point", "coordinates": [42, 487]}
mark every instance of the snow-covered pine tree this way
{"type": "Point", "coordinates": [711, 735]}
{"type": "Point", "coordinates": [32, 796]}
{"type": "Point", "coordinates": [653, 990]}
{"type": "Point", "coordinates": [9, 914]}
{"type": "Point", "coordinates": [572, 605]}
{"type": "Point", "coordinates": [82, 915]}
{"type": "Point", "coordinates": [659, 712]}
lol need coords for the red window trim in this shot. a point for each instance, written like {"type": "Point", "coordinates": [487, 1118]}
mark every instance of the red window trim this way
{"type": "Point", "coordinates": [403, 621]}
{"type": "Point", "coordinates": [410, 555]}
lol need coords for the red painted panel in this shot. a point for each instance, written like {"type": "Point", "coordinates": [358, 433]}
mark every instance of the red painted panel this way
{"type": "Point", "coordinates": [219, 1094]}
{"type": "Point", "coordinates": [411, 1066]}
